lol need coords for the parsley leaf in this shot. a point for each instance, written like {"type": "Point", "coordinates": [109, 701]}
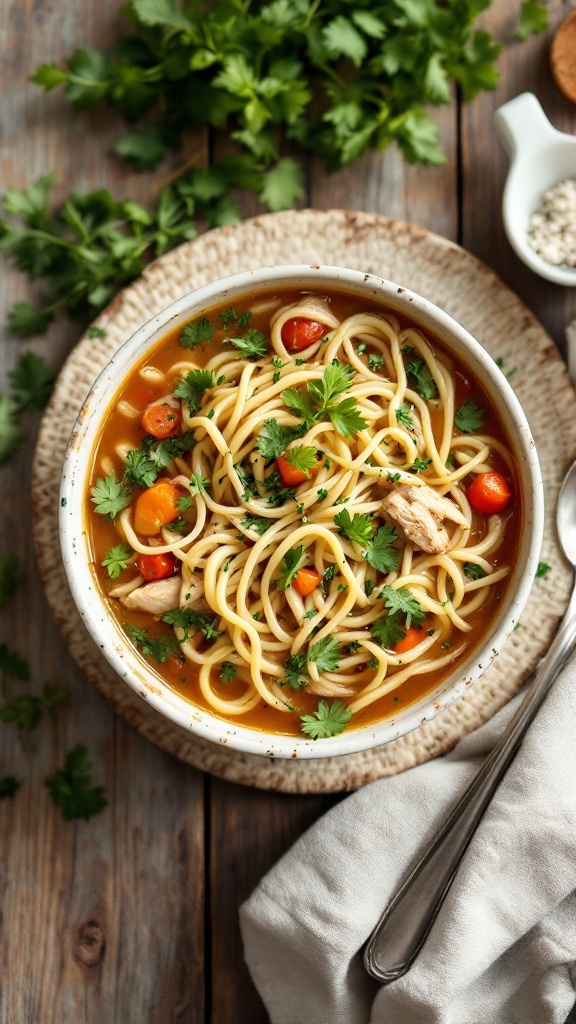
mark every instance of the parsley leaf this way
{"type": "Point", "coordinates": [421, 380]}
{"type": "Point", "coordinates": [380, 553]}
{"type": "Point", "coordinates": [542, 570]}
{"type": "Point", "coordinates": [71, 787]}
{"type": "Point", "coordinates": [302, 457]}
{"type": "Point", "coordinates": [116, 560]}
{"type": "Point", "coordinates": [197, 333]}
{"type": "Point", "coordinates": [32, 381]}
{"type": "Point", "coordinates": [229, 318]}
{"type": "Point", "coordinates": [24, 712]}
{"type": "Point", "coordinates": [295, 668]}
{"type": "Point", "coordinates": [192, 387]}
{"type": "Point", "coordinates": [9, 578]}
{"type": "Point", "coordinates": [292, 561]}
{"type": "Point", "coordinates": [533, 19]}
{"type": "Point", "coordinates": [375, 363]}
{"type": "Point", "coordinates": [319, 400]}
{"type": "Point", "coordinates": [388, 630]}
{"type": "Point", "coordinates": [163, 453]}
{"type": "Point", "coordinates": [359, 529]}
{"type": "Point", "coordinates": [187, 619]}
{"type": "Point", "coordinates": [257, 523]}
{"type": "Point", "coordinates": [326, 654]}
{"type": "Point", "coordinates": [403, 416]}
{"type": "Point", "coordinates": [12, 664]}
{"type": "Point", "coordinates": [158, 647]}
{"type": "Point", "coordinates": [402, 601]}
{"type": "Point", "coordinates": [9, 786]}
{"type": "Point", "coordinates": [228, 672]}
{"type": "Point", "coordinates": [420, 465]}
{"type": "Point", "coordinates": [253, 346]}
{"type": "Point", "coordinates": [139, 469]}
{"type": "Point", "coordinates": [10, 434]}
{"type": "Point", "coordinates": [328, 720]}
{"type": "Point", "coordinates": [274, 439]}
{"type": "Point", "coordinates": [469, 417]}
{"type": "Point", "coordinates": [474, 571]}
{"type": "Point", "coordinates": [110, 496]}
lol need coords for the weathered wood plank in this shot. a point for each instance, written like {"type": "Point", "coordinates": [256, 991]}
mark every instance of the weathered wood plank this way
{"type": "Point", "coordinates": [99, 921]}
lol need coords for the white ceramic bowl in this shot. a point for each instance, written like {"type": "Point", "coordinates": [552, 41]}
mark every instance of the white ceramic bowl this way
{"type": "Point", "coordinates": [540, 157]}
{"type": "Point", "coordinates": [73, 508]}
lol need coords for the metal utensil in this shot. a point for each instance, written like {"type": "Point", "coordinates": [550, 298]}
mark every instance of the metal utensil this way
{"type": "Point", "coordinates": [408, 918]}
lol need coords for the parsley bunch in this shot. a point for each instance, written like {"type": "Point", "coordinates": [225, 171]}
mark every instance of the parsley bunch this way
{"type": "Point", "coordinates": [331, 77]}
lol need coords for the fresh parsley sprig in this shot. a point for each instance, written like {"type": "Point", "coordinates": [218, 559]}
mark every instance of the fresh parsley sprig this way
{"type": "Point", "coordinates": [71, 787]}
{"type": "Point", "coordinates": [116, 560]}
{"type": "Point", "coordinates": [319, 400]}
{"type": "Point", "coordinates": [327, 720]}
{"type": "Point", "coordinates": [188, 620]}
{"type": "Point", "coordinates": [469, 417]}
{"type": "Point", "coordinates": [401, 601]}
{"type": "Point", "coordinates": [192, 387]}
{"type": "Point", "coordinates": [293, 561]}
{"type": "Point", "coordinates": [110, 496]}
{"type": "Point", "coordinates": [326, 654]}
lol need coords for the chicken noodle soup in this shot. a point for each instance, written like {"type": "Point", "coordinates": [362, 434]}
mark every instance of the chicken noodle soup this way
{"type": "Point", "coordinates": [303, 512]}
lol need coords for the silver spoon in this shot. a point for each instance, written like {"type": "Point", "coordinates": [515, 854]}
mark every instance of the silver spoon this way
{"type": "Point", "coordinates": [408, 918]}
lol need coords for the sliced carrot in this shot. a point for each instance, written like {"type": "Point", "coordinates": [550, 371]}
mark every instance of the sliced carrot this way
{"type": "Point", "coordinates": [291, 475]}
{"type": "Point", "coordinates": [489, 493]}
{"type": "Point", "coordinates": [414, 636]}
{"type": "Point", "coordinates": [156, 567]}
{"type": "Point", "coordinates": [298, 333]}
{"type": "Point", "coordinates": [161, 420]}
{"type": "Point", "coordinates": [155, 508]}
{"type": "Point", "coordinates": [306, 580]}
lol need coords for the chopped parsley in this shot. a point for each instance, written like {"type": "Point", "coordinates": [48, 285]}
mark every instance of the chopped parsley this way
{"type": "Point", "coordinates": [228, 672]}
{"type": "Point", "coordinates": [116, 560]}
{"type": "Point", "coordinates": [322, 494]}
{"type": "Point", "coordinates": [257, 523]}
{"type": "Point", "coordinates": [71, 787]}
{"type": "Point", "coordinates": [542, 570]}
{"type": "Point", "coordinates": [358, 530]}
{"type": "Point", "coordinates": [469, 417]}
{"type": "Point", "coordinates": [273, 439]}
{"type": "Point", "coordinates": [369, 587]}
{"type": "Point", "coordinates": [253, 346]}
{"type": "Point", "coordinates": [421, 380]}
{"type": "Point", "coordinates": [327, 720]}
{"type": "Point", "coordinates": [110, 496]}
{"type": "Point", "coordinates": [295, 669]}
{"type": "Point", "coordinates": [474, 571]}
{"type": "Point", "coordinates": [326, 654]}
{"type": "Point", "coordinates": [293, 561]}
{"type": "Point", "coordinates": [380, 552]}
{"type": "Point", "coordinates": [186, 619]}
{"type": "Point", "coordinates": [420, 465]}
{"type": "Point", "coordinates": [158, 647]}
{"type": "Point", "coordinates": [403, 416]}
{"type": "Point", "coordinates": [197, 333]}
{"type": "Point", "coordinates": [230, 318]}
{"type": "Point", "coordinates": [402, 601]}
{"type": "Point", "coordinates": [388, 630]}
{"type": "Point", "coordinates": [303, 457]}
{"type": "Point", "coordinates": [375, 363]}
{"type": "Point", "coordinates": [140, 469]}
{"type": "Point", "coordinates": [191, 388]}
{"type": "Point", "coordinates": [319, 400]}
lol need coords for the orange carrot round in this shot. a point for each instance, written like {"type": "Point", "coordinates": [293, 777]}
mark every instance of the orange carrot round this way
{"type": "Point", "coordinates": [291, 475]}
{"type": "Point", "coordinates": [414, 636]}
{"type": "Point", "coordinates": [161, 420]}
{"type": "Point", "coordinates": [306, 580]}
{"type": "Point", "coordinates": [155, 508]}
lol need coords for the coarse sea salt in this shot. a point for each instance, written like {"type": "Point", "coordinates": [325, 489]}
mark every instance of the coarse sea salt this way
{"type": "Point", "coordinates": [552, 231]}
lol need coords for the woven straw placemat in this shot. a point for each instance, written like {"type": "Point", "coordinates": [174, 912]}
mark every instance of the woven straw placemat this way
{"type": "Point", "coordinates": [464, 288]}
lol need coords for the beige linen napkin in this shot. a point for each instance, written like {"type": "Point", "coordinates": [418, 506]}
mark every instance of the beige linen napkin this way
{"type": "Point", "coordinates": [503, 948]}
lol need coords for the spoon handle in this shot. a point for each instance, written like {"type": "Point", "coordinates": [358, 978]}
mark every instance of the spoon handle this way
{"type": "Point", "coordinates": [408, 918]}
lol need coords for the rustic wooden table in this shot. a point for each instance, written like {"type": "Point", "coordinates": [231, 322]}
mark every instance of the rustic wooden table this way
{"type": "Point", "coordinates": [133, 915]}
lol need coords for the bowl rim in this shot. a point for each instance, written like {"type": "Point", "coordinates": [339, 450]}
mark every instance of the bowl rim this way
{"type": "Point", "coordinates": [106, 631]}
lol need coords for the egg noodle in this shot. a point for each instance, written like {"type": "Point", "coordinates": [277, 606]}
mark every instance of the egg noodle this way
{"type": "Point", "coordinates": [262, 623]}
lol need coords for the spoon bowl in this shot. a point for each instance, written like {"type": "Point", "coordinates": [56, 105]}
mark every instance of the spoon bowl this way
{"type": "Point", "coordinates": [540, 157]}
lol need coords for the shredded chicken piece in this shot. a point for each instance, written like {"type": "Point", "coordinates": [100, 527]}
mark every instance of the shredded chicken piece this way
{"type": "Point", "coordinates": [421, 513]}
{"type": "Point", "coordinates": [157, 597]}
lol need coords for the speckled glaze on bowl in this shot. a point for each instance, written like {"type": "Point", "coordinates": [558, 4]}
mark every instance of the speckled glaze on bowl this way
{"type": "Point", "coordinates": [92, 604]}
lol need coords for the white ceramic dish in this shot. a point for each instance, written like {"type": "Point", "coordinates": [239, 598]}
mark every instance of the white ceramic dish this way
{"type": "Point", "coordinates": [540, 157]}
{"type": "Point", "coordinates": [73, 506]}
